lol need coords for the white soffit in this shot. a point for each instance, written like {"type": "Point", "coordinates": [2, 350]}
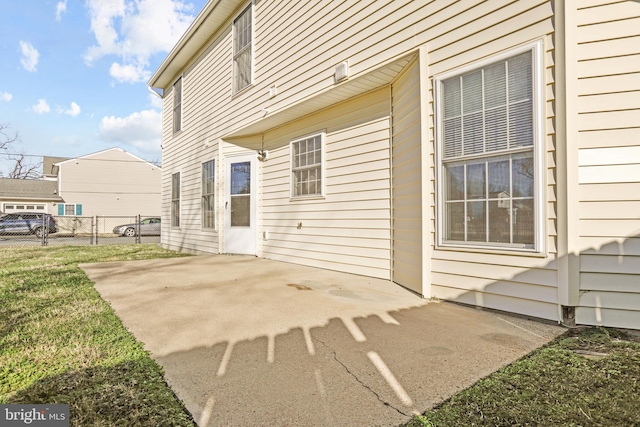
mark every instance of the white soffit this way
{"type": "Point", "coordinates": [356, 85]}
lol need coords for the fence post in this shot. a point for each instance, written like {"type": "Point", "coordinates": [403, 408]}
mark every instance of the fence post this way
{"type": "Point", "coordinates": [97, 226]}
{"type": "Point", "coordinates": [91, 232]}
{"type": "Point", "coordinates": [139, 225]}
{"type": "Point", "coordinates": [44, 229]}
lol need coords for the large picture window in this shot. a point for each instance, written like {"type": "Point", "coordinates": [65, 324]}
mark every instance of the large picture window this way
{"type": "Point", "coordinates": [489, 170]}
{"type": "Point", "coordinates": [177, 105]}
{"type": "Point", "coordinates": [175, 199]}
{"type": "Point", "coordinates": [242, 49]}
{"type": "Point", "coordinates": [208, 193]}
{"type": "Point", "coordinates": [306, 166]}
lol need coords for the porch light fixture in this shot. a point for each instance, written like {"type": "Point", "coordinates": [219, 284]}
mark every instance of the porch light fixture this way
{"type": "Point", "coordinates": [263, 155]}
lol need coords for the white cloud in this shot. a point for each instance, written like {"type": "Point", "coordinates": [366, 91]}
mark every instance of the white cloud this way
{"type": "Point", "coordinates": [129, 73]}
{"type": "Point", "coordinates": [155, 101]}
{"type": "Point", "coordinates": [142, 130]}
{"type": "Point", "coordinates": [30, 56]}
{"type": "Point", "coordinates": [61, 8]}
{"type": "Point", "coordinates": [41, 107]}
{"type": "Point", "coordinates": [73, 111]}
{"type": "Point", "coordinates": [134, 31]}
{"type": "Point", "coordinates": [6, 96]}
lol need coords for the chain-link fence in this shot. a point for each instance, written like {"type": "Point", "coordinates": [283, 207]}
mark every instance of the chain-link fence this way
{"type": "Point", "coordinates": [37, 229]}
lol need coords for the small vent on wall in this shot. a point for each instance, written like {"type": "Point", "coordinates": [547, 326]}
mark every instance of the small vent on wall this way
{"type": "Point", "coordinates": [342, 72]}
{"type": "Point", "coordinates": [273, 91]}
{"type": "Point", "coordinates": [208, 142]}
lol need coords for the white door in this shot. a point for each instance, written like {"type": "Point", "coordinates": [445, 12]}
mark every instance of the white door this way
{"type": "Point", "coordinates": [240, 205]}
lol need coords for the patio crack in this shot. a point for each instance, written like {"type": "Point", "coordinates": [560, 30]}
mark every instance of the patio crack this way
{"type": "Point", "coordinates": [346, 368]}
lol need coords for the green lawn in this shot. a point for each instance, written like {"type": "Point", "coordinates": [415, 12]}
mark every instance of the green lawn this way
{"type": "Point", "coordinates": [61, 343]}
{"type": "Point", "coordinates": [587, 377]}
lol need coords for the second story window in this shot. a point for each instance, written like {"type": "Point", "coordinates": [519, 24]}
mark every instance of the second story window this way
{"type": "Point", "coordinates": [242, 46]}
{"type": "Point", "coordinates": [177, 105]}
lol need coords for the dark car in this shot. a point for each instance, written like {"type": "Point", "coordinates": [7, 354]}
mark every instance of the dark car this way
{"type": "Point", "coordinates": [148, 227]}
{"type": "Point", "coordinates": [27, 223]}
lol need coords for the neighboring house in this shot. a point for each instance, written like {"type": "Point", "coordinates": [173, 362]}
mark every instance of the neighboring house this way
{"type": "Point", "coordinates": [485, 152]}
{"type": "Point", "coordinates": [112, 182]}
{"type": "Point", "coordinates": [26, 195]}
{"type": "Point", "coordinates": [49, 168]}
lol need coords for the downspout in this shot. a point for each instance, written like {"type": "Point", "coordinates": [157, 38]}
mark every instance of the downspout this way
{"type": "Point", "coordinates": [567, 205]}
{"type": "Point", "coordinates": [425, 171]}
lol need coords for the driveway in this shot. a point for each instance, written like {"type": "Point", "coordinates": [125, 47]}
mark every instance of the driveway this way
{"type": "Point", "coordinates": [250, 341]}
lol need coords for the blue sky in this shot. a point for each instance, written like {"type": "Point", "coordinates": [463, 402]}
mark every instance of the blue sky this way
{"type": "Point", "coordinates": [73, 73]}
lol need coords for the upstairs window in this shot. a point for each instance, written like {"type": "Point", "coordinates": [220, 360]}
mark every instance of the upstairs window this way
{"type": "Point", "coordinates": [208, 194]}
{"type": "Point", "coordinates": [177, 105]}
{"type": "Point", "coordinates": [490, 172]}
{"type": "Point", "coordinates": [242, 50]}
{"type": "Point", "coordinates": [306, 166]}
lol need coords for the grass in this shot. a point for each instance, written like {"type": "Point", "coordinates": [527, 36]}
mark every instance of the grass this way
{"type": "Point", "coordinates": [61, 343]}
{"type": "Point", "coordinates": [557, 385]}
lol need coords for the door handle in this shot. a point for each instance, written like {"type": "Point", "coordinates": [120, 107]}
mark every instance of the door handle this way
{"type": "Point", "coordinates": [226, 205]}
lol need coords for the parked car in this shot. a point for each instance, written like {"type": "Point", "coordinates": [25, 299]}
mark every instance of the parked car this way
{"type": "Point", "coordinates": [27, 223]}
{"type": "Point", "coordinates": [148, 227]}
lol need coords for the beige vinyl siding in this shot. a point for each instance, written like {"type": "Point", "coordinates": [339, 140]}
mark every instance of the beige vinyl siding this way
{"type": "Point", "coordinates": [406, 179]}
{"type": "Point", "coordinates": [349, 228]}
{"type": "Point", "coordinates": [185, 151]}
{"type": "Point", "coordinates": [609, 162]}
{"type": "Point", "coordinates": [110, 183]}
{"type": "Point", "coordinates": [297, 46]}
{"type": "Point", "coordinates": [517, 282]}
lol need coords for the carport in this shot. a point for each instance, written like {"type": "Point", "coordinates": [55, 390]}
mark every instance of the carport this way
{"type": "Point", "coordinates": [246, 340]}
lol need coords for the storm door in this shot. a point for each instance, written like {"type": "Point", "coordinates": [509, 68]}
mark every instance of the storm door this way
{"type": "Point", "coordinates": [240, 205]}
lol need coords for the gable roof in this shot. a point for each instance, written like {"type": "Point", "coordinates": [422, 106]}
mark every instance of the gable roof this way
{"type": "Point", "coordinates": [29, 189]}
{"type": "Point", "coordinates": [99, 153]}
{"type": "Point", "coordinates": [49, 167]}
{"type": "Point", "coordinates": [207, 23]}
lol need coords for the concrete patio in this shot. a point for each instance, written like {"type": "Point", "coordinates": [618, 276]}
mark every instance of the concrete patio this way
{"type": "Point", "coordinates": [250, 341]}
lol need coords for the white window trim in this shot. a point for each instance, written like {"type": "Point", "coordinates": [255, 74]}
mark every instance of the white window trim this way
{"type": "Point", "coordinates": [179, 173]}
{"type": "Point", "coordinates": [173, 107]}
{"type": "Point", "coordinates": [540, 233]}
{"type": "Point", "coordinates": [215, 182]}
{"type": "Point", "coordinates": [322, 134]}
{"type": "Point", "coordinates": [249, 4]}
{"type": "Point", "coordinates": [74, 208]}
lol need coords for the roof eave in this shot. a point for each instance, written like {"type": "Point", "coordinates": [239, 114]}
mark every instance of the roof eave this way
{"type": "Point", "coordinates": [203, 27]}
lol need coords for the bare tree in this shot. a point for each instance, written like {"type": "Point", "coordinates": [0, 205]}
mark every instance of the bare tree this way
{"type": "Point", "coordinates": [22, 168]}
{"type": "Point", "coordinates": [6, 139]}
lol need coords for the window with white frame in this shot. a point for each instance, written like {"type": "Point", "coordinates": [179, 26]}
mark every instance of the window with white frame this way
{"type": "Point", "coordinates": [66, 209]}
{"type": "Point", "coordinates": [242, 49]}
{"type": "Point", "coordinates": [306, 166]}
{"type": "Point", "coordinates": [177, 105]}
{"type": "Point", "coordinates": [208, 193]}
{"type": "Point", "coordinates": [175, 199]}
{"type": "Point", "coordinates": [490, 171]}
